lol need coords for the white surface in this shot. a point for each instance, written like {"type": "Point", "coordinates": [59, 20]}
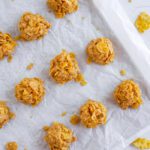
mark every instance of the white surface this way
{"type": "Point", "coordinates": [73, 33]}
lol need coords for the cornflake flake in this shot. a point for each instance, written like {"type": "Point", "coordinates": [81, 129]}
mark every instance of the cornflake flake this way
{"type": "Point", "coordinates": [141, 143]}
{"type": "Point", "coordinates": [11, 146]}
{"type": "Point", "coordinates": [142, 22]}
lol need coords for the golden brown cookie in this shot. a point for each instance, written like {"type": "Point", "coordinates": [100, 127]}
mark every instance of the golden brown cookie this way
{"type": "Point", "coordinates": [7, 45]}
{"type": "Point", "coordinates": [11, 146]}
{"type": "Point", "coordinates": [58, 136]}
{"type": "Point", "coordinates": [30, 91]}
{"type": "Point", "coordinates": [100, 51]}
{"type": "Point", "coordinates": [64, 68]}
{"type": "Point", "coordinates": [33, 26]}
{"type": "Point", "coordinates": [62, 7]}
{"type": "Point", "coordinates": [128, 94]}
{"type": "Point", "coordinates": [5, 114]}
{"type": "Point", "coordinates": [92, 114]}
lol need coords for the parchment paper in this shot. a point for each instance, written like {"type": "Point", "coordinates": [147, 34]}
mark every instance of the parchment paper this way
{"type": "Point", "coordinates": [95, 18]}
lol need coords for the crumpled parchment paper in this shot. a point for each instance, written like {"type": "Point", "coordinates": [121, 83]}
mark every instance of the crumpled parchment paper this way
{"type": "Point", "coordinates": [95, 18]}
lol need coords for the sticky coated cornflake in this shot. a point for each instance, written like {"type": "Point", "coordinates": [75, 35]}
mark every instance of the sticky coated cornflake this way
{"type": "Point", "coordinates": [128, 94]}
{"type": "Point", "coordinates": [58, 136]}
{"type": "Point", "coordinates": [74, 119]}
{"type": "Point", "coordinates": [142, 22]}
{"type": "Point", "coordinates": [100, 51]}
{"type": "Point", "coordinates": [33, 26]}
{"type": "Point", "coordinates": [62, 7]}
{"type": "Point", "coordinates": [30, 66]}
{"type": "Point", "coordinates": [92, 114]}
{"type": "Point", "coordinates": [7, 45]}
{"type": "Point", "coordinates": [141, 143]}
{"type": "Point", "coordinates": [5, 114]}
{"type": "Point", "coordinates": [11, 146]}
{"type": "Point", "coordinates": [64, 68]}
{"type": "Point", "coordinates": [30, 91]}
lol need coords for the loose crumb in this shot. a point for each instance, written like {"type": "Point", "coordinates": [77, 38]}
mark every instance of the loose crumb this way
{"type": "Point", "coordinates": [10, 58]}
{"type": "Point", "coordinates": [30, 66]}
{"type": "Point", "coordinates": [63, 114]}
{"type": "Point", "coordinates": [142, 143]}
{"type": "Point", "coordinates": [74, 119]}
{"type": "Point", "coordinates": [58, 136]}
{"type": "Point", "coordinates": [129, 1]}
{"type": "Point", "coordinates": [123, 72]}
{"type": "Point", "coordinates": [11, 146]}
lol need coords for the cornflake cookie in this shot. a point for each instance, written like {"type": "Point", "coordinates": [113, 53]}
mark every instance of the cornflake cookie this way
{"type": "Point", "coordinates": [33, 26]}
{"type": "Point", "coordinates": [11, 146]}
{"type": "Point", "coordinates": [30, 91]}
{"type": "Point", "coordinates": [59, 137]}
{"type": "Point", "coordinates": [5, 114]}
{"type": "Point", "coordinates": [142, 22]}
{"type": "Point", "coordinates": [64, 68]}
{"type": "Point", "coordinates": [92, 114]}
{"type": "Point", "coordinates": [7, 45]}
{"type": "Point", "coordinates": [100, 51]}
{"type": "Point", "coordinates": [128, 94]}
{"type": "Point", "coordinates": [62, 7]}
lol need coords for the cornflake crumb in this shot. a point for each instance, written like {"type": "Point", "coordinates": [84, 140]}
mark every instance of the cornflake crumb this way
{"type": "Point", "coordinates": [128, 94]}
{"type": "Point", "coordinates": [7, 45]}
{"type": "Point", "coordinates": [5, 114]}
{"type": "Point", "coordinates": [74, 119]}
{"type": "Point", "coordinates": [33, 26]}
{"type": "Point", "coordinates": [100, 51]}
{"type": "Point", "coordinates": [123, 72]}
{"type": "Point", "coordinates": [63, 114]}
{"type": "Point", "coordinates": [92, 114]}
{"type": "Point", "coordinates": [64, 68]}
{"type": "Point", "coordinates": [58, 136]}
{"type": "Point", "coordinates": [62, 7]}
{"type": "Point", "coordinates": [142, 22]}
{"type": "Point", "coordinates": [141, 143]}
{"type": "Point", "coordinates": [30, 66]}
{"type": "Point", "coordinates": [30, 91]}
{"type": "Point", "coordinates": [9, 59]}
{"type": "Point", "coordinates": [11, 146]}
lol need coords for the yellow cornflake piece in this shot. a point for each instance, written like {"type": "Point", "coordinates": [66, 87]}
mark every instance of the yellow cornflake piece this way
{"type": "Point", "coordinates": [63, 113]}
{"type": "Point", "coordinates": [123, 72]}
{"type": "Point", "coordinates": [9, 59]}
{"type": "Point", "coordinates": [74, 119]}
{"type": "Point", "coordinates": [141, 143]}
{"type": "Point", "coordinates": [142, 23]}
{"type": "Point", "coordinates": [11, 146]}
{"type": "Point", "coordinates": [30, 66]}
